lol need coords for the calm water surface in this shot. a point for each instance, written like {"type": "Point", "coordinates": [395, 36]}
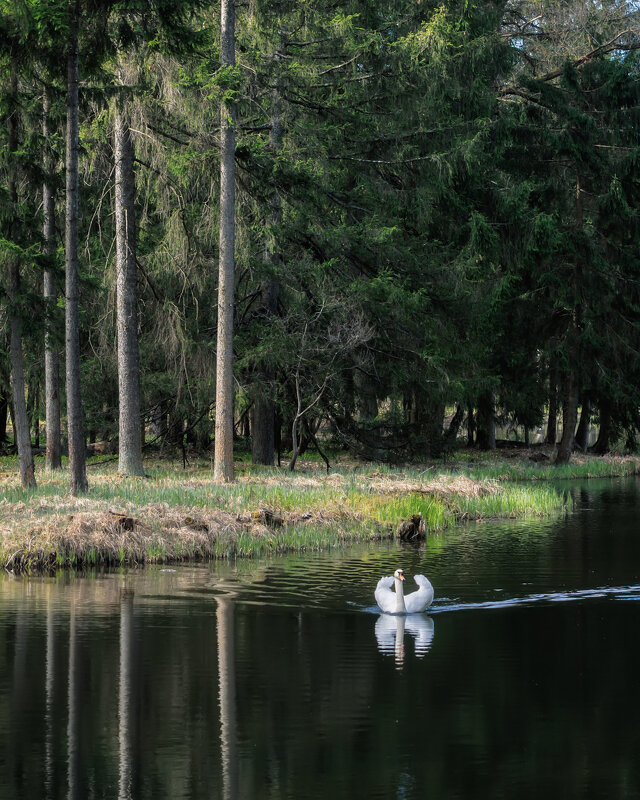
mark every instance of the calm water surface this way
{"type": "Point", "coordinates": [278, 679]}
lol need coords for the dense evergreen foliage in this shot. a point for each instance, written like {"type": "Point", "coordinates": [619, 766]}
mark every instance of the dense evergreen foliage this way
{"type": "Point", "coordinates": [436, 209]}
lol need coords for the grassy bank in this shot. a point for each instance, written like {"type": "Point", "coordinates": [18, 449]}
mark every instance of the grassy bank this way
{"type": "Point", "coordinates": [180, 514]}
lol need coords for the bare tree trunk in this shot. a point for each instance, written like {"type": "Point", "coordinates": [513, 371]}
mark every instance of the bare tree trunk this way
{"type": "Point", "coordinates": [451, 434]}
{"type": "Point", "coordinates": [129, 441]}
{"type": "Point", "coordinates": [582, 434]}
{"type": "Point", "coordinates": [367, 399]}
{"type": "Point", "coordinates": [552, 422]}
{"type": "Point", "coordinates": [4, 408]}
{"type": "Point", "coordinates": [486, 423]}
{"type": "Point", "coordinates": [570, 379]}
{"type": "Point", "coordinates": [569, 414]}
{"type": "Point", "coordinates": [294, 427]}
{"type": "Point", "coordinates": [471, 425]}
{"type": "Point", "coordinates": [223, 453]}
{"type": "Point", "coordinates": [21, 434]}
{"type": "Point", "coordinates": [77, 453]}
{"type": "Point", "coordinates": [33, 408]}
{"type": "Point", "coordinates": [53, 458]}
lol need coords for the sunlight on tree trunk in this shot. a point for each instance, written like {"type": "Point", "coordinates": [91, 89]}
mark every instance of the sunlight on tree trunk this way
{"type": "Point", "coordinates": [51, 360]}
{"type": "Point", "coordinates": [77, 454]}
{"type": "Point", "coordinates": [21, 433]}
{"type": "Point", "coordinates": [129, 440]}
{"type": "Point", "coordinates": [223, 457]}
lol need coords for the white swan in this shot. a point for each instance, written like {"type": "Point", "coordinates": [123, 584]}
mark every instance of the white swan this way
{"type": "Point", "coordinates": [395, 602]}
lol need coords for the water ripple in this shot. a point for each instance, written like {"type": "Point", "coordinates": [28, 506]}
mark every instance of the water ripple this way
{"type": "Point", "coordinates": [612, 592]}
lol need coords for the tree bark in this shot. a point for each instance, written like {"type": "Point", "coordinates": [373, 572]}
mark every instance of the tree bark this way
{"type": "Point", "coordinates": [4, 408]}
{"type": "Point", "coordinates": [552, 422]}
{"type": "Point", "coordinates": [77, 454]}
{"type": "Point", "coordinates": [486, 423]}
{"type": "Point", "coordinates": [21, 433]}
{"type": "Point", "coordinates": [223, 470]}
{"type": "Point", "coordinates": [471, 426]}
{"type": "Point", "coordinates": [433, 428]}
{"type": "Point", "coordinates": [582, 434]}
{"type": "Point", "coordinates": [569, 414]}
{"type": "Point", "coordinates": [129, 441]}
{"type": "Point", "coordinates": [451, 434]}
{"type": "Point", "coordinates": [33, 409]}
{"type": "Point", "coordinates": [53, 458]}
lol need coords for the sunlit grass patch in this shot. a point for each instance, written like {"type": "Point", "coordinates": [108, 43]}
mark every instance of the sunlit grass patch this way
{"type": "Point", "coordinates": [512, 501]}
{"type": "Point", "coordinates": [391, 510]}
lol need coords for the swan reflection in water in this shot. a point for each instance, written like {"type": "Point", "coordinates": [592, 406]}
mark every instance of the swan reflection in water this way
{"type": "Point", "coordinates": [390, 631]}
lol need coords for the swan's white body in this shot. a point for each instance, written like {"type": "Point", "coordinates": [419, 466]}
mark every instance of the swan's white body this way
{"type": "Point", "coordinates": [397, 602]}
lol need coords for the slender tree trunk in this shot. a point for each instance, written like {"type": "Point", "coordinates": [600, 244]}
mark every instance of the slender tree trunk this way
{"type": "Point", "coordinates": [129, 442]}
{"type": "Point", "coordinates": [33, 409]}
{"type": "Point", "coordinates": [486, 422]}
{"type": "Point", "coordinates": [471, 426]}
{"type": "Point", "coordinates": [582, 434]}
{"type": "Point", "coordinates": [4, 408]}
{"type": "Point", "coordinates": [21, 433]}
{"type": "Point", "coordinates": [451, 434]}
{"type": "Point", "coordinates": [434, 429]}
{"type": "Point", "coordinates": [569, 414]}
{"type": "Point", "coordinates": [552, 422]}
{"type": "Point", "coordinates": [53, 458]}
{"type": "Point", "coordinates": [367, 398]}
{"type": "Point", "coordinates": [570, 378]}
{"type": "Point", "coordinates": [223, 453]}
{"type": "Point", "coordinates": [77, 453]}
{"type": "Point", "coordinates": [295, 451]}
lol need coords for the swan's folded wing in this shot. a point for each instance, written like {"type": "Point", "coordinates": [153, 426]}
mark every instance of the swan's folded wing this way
{"type": "Point", "coordinates": [418, 601]}
{"type": "Point", "coordinates": [385, 598]}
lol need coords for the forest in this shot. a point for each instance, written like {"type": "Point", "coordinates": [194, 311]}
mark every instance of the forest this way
{"type": "Point", "coordinates": [278, 224]}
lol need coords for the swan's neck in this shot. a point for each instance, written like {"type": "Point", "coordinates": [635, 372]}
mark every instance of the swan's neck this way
{"type": "Point", "coordinates": [400, 607]}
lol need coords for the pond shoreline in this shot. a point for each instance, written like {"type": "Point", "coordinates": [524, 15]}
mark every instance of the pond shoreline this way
{"type": "Point", "coordinates": [180, 516]}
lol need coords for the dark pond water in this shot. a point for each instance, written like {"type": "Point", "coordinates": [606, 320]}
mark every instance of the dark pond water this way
{"type": "Point", "coordinates": [277, 679]}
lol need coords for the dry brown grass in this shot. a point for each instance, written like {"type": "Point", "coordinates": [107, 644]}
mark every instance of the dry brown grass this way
{"type": "Point", "coordinates": [443, 486]}
{"type": "Point", "coordinates": [155, 533]}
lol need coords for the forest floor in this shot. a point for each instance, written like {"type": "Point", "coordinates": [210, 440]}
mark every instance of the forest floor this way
{"type": "Point", "coordinates": [177, 512]}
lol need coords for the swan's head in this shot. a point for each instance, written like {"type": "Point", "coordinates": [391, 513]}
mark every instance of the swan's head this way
{"type": "Point", "coordinates": [399, 574]}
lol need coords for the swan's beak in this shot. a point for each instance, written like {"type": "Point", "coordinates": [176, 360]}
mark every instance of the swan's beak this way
{"type": "Point", "coordinates": [401, 576]}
